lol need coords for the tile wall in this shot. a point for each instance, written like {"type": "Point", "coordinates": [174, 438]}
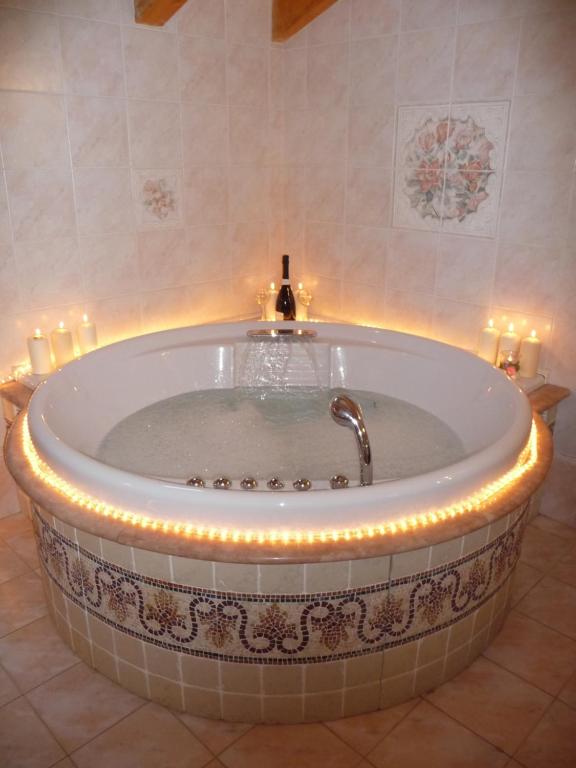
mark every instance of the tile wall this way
{"type": "Point", "coordinates": [135, 165]}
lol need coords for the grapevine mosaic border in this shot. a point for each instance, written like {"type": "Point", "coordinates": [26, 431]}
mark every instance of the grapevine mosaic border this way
{"type": "Point", "coordinates": [278, 629]}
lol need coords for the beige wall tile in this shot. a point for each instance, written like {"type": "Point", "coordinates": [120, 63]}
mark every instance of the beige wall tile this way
{"type": "Point", "coordinates": [166, 692]}
{"type": "Point", "coordinates": [358, 701]}
{"type": "Point", "coordinates": [424, 65]}
{"type": "Point", "coordinates": [105, 663]}
{"type": "Point", "coordinates": [283, 709]}
{"type": "Point", "coordinates": [432, 647]}
{"type": "Point", "coordinates": [133, 679]}
{"type": "Point", "coordinates": [322, 577]}
{"type": "Point", "coordinates": [397, 689]}
{"type": "Point", "coordinates": [151, 64]}
{"type": "Point", "coordinates": [374, 17]}
{"type": "Point", "coordinates": [240, 678]}
{"type": "Point", "coordinates": [399, 660]}
{"type": "Point", "coordinates": [200, 673]}
{"type": "Point", "coordinates": [486, 57]}
{"type": "Point", "coordinates": [236, 577]}
{"type": "Point", "coordinates": [197, 573]}
{"type": "Point", "coordinates": [203, 71]}
{"type": "Point", "coordinates": [363, 670]}
{"type": "Point", "coordinates": [202, 19]}
{"type": "Point", "coordinates": [129, 649]}
{"type": "Point", "coordinates": [409, 563]}
{"type": "Point", "coordinates": [281, 579]}
{"type": "Point", "coordinates": [41, 204]}
{"type": "Point", "coordinates": [92, 58]}
{"type": "Point", "coordinates": [33, 130]}
{"type": "Point", "coordinates": [202, 703]}
{"type": "Point", "coordinates": [279, 679]}
{"type": "Point", "coordinates": [162, 662]}
{"type": "Point", "coordinates": [323, 706]}
{"type": "Point", "coordinates": [327, 676]}
{"type": "Point", "coordinates": [118, 554]}
{"type": "Point", "coordinates": [241, 709]}
{"type": "Point", "coordinates": [30, 52]}
{"type": "Point", "coordinates": [152, 564]}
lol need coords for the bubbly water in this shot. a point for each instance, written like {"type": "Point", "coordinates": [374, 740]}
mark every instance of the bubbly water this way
{"type": "Point", "coordinates": [284, 431]}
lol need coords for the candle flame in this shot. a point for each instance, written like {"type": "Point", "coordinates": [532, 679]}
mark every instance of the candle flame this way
{"type": "Point", "coordinates": [533, 333]}
{"type": "Point", "coordinates": [490, 323]}
{"type": "Point", "coordinates": [61, 324]}
{"type": "Point", "coordinates": [511, 327]}
{"type": "Point", "coordinates": [300, 286]}
{"type": "Point", "coordinates": [37, 333]}
{"type": "Point", "coordinates": [272, 286]}
{"type": "Point", "coordinates": [84, 318]}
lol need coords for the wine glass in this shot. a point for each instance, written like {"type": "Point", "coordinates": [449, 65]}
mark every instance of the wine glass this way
{"type": "Point", "coordinates": [262, 300]}
{"type": "Point", "coordinates": [305, 299]}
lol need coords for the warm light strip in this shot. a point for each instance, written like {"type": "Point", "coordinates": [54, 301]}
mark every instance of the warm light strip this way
{"type": "Point", "coordinates": [488, 494]}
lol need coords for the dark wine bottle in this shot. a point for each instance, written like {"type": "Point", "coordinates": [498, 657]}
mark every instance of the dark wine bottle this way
{"type": "Point", "coordinates": [285, 302]}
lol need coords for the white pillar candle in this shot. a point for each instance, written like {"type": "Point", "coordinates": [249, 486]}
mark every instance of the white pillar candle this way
{"type": "Point", "coordinates": [529, 355]}
{"type": "Point", "coordinates": [39, 351]}
{"type": "Point", "coordinates": [509, 344]}
{"type": "Point", "coordinates": [488, 343]}
{"type": "Point", "coordinates": [87, 338]}
{"type": "Point", "coordinates": [271, 303]}
{"type": "Point", "coordinates": [301, 308]}
{"type": "Point", "coordinates": [62, 345]}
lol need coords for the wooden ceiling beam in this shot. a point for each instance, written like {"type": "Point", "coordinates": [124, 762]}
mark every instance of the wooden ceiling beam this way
{"type": "Point", "coordinates": [156, 12]}
{"type": "Point", "coordinates": [290, 16]}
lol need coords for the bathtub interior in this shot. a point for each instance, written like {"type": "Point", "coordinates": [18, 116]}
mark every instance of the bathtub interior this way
{"type": "Point", "coordinates": [84, 400]}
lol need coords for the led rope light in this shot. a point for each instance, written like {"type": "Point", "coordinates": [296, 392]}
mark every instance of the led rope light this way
{"type": "Point", "coordinates": [488, 494]}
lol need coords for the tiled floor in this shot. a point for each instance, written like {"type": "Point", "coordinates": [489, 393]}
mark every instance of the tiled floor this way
{"type": "Point", "coordinates": [515, 706]}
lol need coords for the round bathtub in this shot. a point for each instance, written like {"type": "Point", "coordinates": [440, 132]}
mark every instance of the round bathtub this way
{"type": "Point", "coordinates": [278, 606]}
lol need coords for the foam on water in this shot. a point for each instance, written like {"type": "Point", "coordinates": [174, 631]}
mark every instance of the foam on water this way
{"type": "Point", "coordinates": [265, 431]}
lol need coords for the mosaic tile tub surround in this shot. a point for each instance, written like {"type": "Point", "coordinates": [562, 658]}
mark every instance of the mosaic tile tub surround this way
{"type": "Point", "coordinates": [312, 641]}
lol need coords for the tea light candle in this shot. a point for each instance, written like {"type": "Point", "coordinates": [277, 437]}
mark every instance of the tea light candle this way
{"type": "Point", "coordinates": [529, 355]}
{"type": "Point", "coordinates": [488, 343]}
{"type": "Point", "coordinates": [509, 343]}
{"type": "Point", "coordinates": [39, 351]}
{"type": "Point", "coordinates": [271, 303]}
{"type": "Point", "coordinates": [87, 337]}
{"type": "Point", "coordinates": [62, 345]}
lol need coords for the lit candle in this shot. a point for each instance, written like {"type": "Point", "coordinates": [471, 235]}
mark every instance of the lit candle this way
{"type": "Point", "coordinates": [39, 351]}
{"type": "Point", "coordinates": [62, 345]}
{"type": "Point", "coordinates": [301, 307]}
{"type": "Point", "coordinates": [529, 355]}
{"type": "Point", "coordinates": [509, 344]}
{"type": "Point", "coordinates": [271, 303]}
{"type": "Point", "coordinates": [488, 343]}
{"type": "Point", "coordinates": [87, 338]}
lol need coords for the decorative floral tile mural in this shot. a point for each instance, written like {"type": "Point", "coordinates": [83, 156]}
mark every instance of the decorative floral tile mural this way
{"type": "Point", "coordinates": [158, 197]}
{"type": "Point", "coordinates": [449, 167]}
{"type": "Point", "coordinates": [279, 628]}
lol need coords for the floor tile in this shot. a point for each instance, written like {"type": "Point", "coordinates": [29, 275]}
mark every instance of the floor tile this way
{"type": "Point", "coordinates": [13, 525]}
{"type": "Point", "coordinates": [8, 690]}
{"type": "Point", "coordinates": [565, 569]}
{"type": "Point", "coordinates": [9, 504]}
{"type": "Point", "coordinates": [79, 704]}
{"type": "Point", "coordinates": [24, 544]}
{"type": "Point", "coordinates": [288, 746]}
{"type": "Point", "coordinates": [559, 497]}
{"type": "Point", "coordinates": [525, 577]}
{"type": "Point", "coordinates": [364, 732]}
{"type": "Point", "coordinates": [549, 525]}
{"type": "Point", "coordinates": [552, 744]}
{"type": "Point", "coordinates": [25, 742]}
{"type": "Point", "coordinates": [35, 653]}
{"type": "Point", "coordinates": [66, 763]}
{"type": "Point", "coordinates": [541, 549]}
{"type": "Point", "coordinates": [21, 601]}
{"type": "Point", "coordinates": [568, 692]}
{"type": "Point", "coordinates": [535, 652]}
{"type": "Point", "coordinates": [427, 738]}
{"type": "Point", "coordinates": [11, 565]}
{"type": "Point", "coordinates": [553, 603]}
{"type": "Point", "coordinates": [149, 738]}
{"type": "Point", "coordinates": [214, 734]}
{"type": "Point", "coordinates": [493, 703]}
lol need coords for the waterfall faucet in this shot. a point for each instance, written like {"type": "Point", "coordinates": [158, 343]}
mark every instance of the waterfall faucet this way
{"type": "Point", "coordinates": [347, 413]}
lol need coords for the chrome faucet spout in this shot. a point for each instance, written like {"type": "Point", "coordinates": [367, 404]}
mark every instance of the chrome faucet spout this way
{"type": "Point", "coordinates": [348, 413]}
